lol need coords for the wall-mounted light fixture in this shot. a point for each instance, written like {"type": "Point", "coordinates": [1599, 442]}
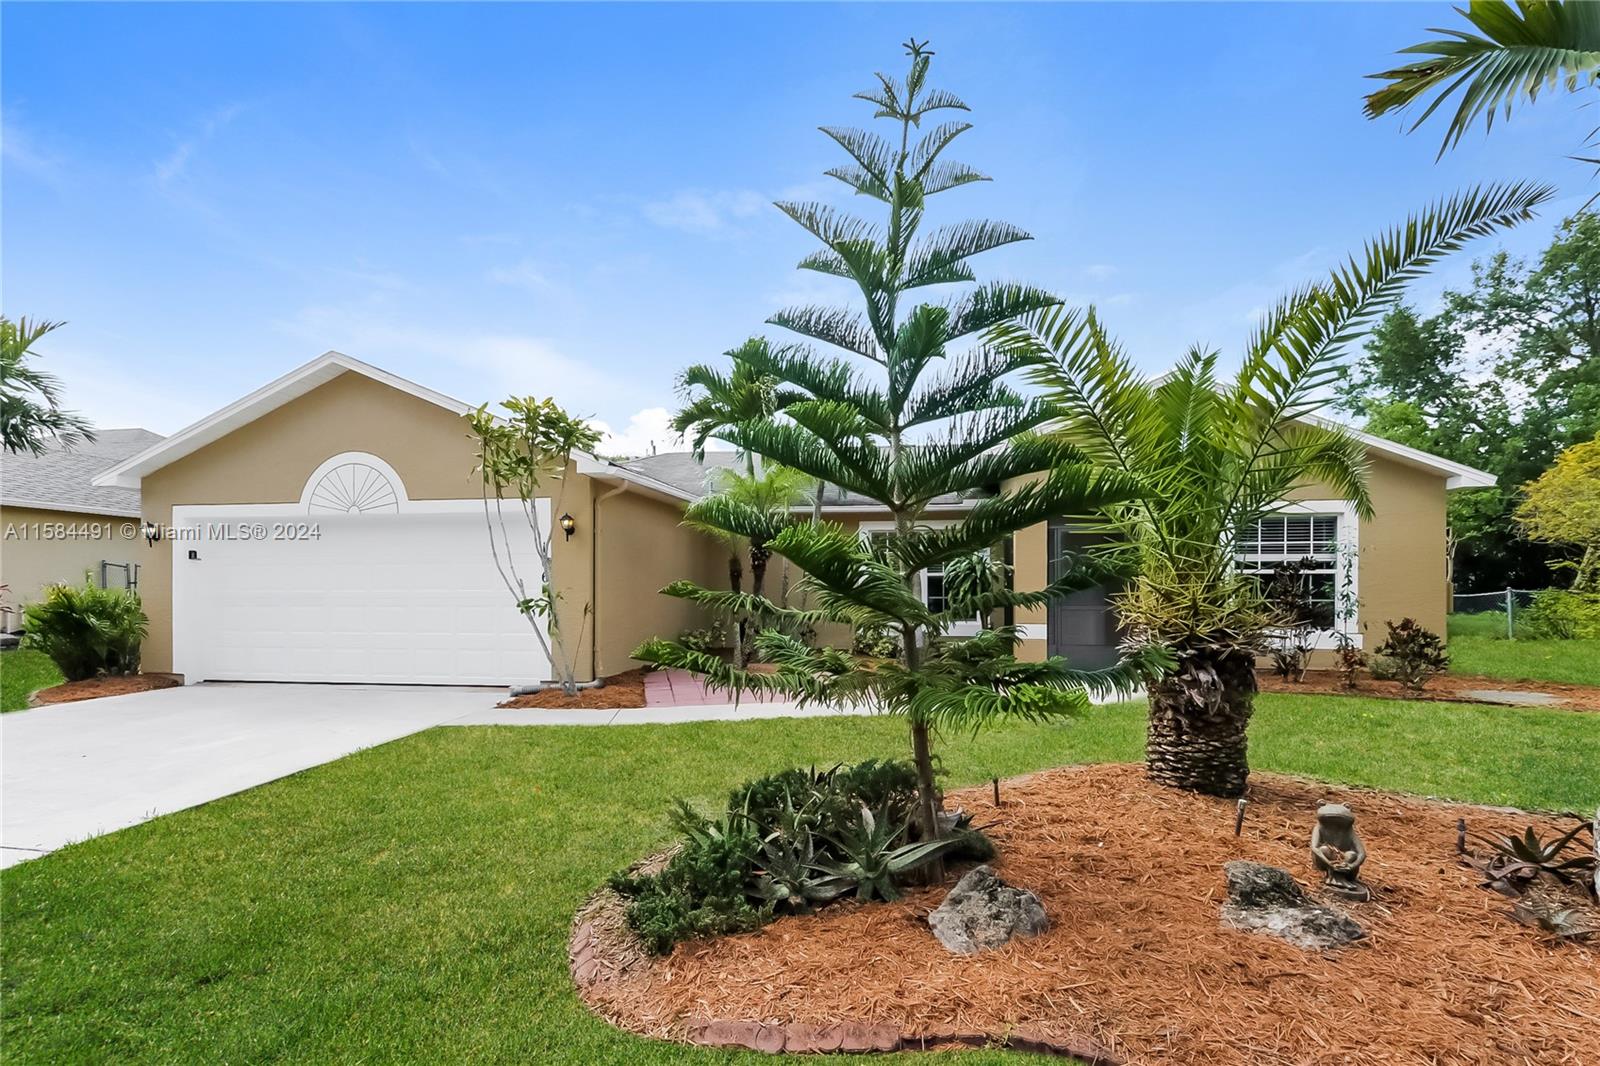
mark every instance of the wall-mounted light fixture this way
{"type": "Point", "coordinates": [568, 524]}
{"type": "Point", "coordinates": [152, 533]}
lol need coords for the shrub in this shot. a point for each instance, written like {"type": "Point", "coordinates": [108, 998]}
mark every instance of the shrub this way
{"type": "Point", "coordinates": [1560, 614]}
{"type": "Point", "coordinates": [1410, 655]}
{"type": "Point", "coordinates": [879, 642]}
{"type": "Point", "coordinates": [787, 842]}
{"type": "Point", "coordinates": [88, 631]}
{"type": "Point", "coordinates": [712, 637]}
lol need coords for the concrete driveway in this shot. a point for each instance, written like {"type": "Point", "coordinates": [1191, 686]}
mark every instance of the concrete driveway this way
{"type": "Point", "coordinates": [76, 770]}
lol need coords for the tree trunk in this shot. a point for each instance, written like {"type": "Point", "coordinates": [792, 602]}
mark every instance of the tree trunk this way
{"type": "Point", "coordinates": [758, 580]}
{"type": "Point", "coordinates": [1198, 718]}
{"type": "Point", "coordinates": [736, 583]}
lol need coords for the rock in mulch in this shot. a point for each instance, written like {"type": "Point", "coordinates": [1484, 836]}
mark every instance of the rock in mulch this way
{"type": "Point", "coordinates": [983, 911]}
{"type": "Point", "coordinates": [1265, 899]}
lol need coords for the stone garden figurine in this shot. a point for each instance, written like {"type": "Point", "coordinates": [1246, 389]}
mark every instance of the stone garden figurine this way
{"type": "Point", "coordinates": [1337, 851]}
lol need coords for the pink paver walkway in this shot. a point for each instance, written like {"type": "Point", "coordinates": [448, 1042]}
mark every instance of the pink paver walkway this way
{"type": "Point", "coordinates": [679, 688]}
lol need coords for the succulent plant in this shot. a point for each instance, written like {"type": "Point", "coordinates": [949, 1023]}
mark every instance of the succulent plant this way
{"type": "Point", "coordinates": [1525, 857]}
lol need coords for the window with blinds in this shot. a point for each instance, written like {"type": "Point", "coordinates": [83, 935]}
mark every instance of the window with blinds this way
{"type": "Point", "coordinates": [1310, 540]}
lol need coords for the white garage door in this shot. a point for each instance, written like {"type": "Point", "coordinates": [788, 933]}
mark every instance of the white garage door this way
{"type": "Point", "coordinates": [395, 597]}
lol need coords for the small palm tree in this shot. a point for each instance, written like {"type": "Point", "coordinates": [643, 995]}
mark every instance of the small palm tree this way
{"type": "Point", "coordinates": [1518, 53]}
{"type": "Point", "coordinates": [1214, 456]}
{"type": "Point", "coordinates": [30, 399]}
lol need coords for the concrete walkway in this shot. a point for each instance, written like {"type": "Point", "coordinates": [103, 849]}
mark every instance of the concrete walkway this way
{"type": "Point", "coordinates": [76, 770]}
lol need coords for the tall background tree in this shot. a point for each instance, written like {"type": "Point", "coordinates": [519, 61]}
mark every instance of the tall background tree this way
{"type": "Point", "coordinates": [1562, 507]}
{"type": "Point", "coordinates": [900, 419]}
{"type": "Point", "coordinates": [1216, 455]}
{"type": "Point", "coordinates": [31, 415]}
{"type": "Point", "coordinates": [1502, 377]}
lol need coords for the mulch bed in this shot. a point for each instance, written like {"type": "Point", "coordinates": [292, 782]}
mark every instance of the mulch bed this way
{"type": "Point", "coordinates": [1136, 966]}
{"type": "Point", "coordinates": [619, 692]}
{"type": "Point", "coordinates": [95, 687]}
{"type": "Point", "coordinates": [1450, 688]}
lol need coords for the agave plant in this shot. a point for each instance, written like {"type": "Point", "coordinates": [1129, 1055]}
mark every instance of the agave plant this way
{"type": "Point", "coordinates": [875, 859]}
{"type": "Point", "coordinates": [1526, 857]}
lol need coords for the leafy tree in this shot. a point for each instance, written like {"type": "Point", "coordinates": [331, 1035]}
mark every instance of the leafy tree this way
{"type": "Point", "coordinates": [901, 419]}
{"type": "Point", "coordinates": [1216, 455]}
{"type": "Point", "coordinates": [523, 456]}
{"type": "Point", "coordinates": [30, 398]}
{"type": "Point", "coordinates": [1518, 53]}
{"type": "Point", "coordinates": [1562, 506]}
{"type": "Point", "coordinates": [1502, 377]}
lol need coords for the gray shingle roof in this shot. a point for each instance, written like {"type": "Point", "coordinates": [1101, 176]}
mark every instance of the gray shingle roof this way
{"type": "Point", "coordinates": [682, 470]}
{"type": "Point", "coordinates": [58, 479]}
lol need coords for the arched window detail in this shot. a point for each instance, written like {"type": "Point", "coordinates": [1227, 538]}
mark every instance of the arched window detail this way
{"type": "Point", "coordinates": [354, 483]}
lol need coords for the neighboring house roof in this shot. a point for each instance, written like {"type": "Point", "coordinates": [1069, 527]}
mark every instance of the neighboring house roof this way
{"type": "Point", "coordinates": [698, 477]}
{"type": "Point", "coordinates": [63, 478]}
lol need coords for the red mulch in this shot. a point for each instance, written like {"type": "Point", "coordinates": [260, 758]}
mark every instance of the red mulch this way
{"type": "Point", "coordinates": [95, 687]}
{"type": "Point", "coordinates": [1450, 688]}
{"type": "Point", "coordinates": [620, 691]}
{"type": "Point", "coordinates": [1135, 958]}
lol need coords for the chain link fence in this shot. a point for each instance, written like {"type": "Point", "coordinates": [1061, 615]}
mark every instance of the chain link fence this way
{"type": "Point", "coordinates": [1490, 614]}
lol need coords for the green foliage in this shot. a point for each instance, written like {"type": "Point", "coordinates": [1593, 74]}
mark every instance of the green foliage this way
{"type": "Point", "coordinates": [1503, 377]}
{"type": "Point", "coordinates": [1411, 654]}
{"type": "Point", "coordinates": [1517, 53]}
{"type": "Point", "coordinates": [785, 843]}
{"type": "Point", "coordinates": [901, 417]}
{"type": "Point", "coordinates": [1522, 858]}
{"type": "Point", "coordinates": [875, 641]}
{"type": "Point", "coordinates": [30, 399]}
{"type": "Point", "coordinates": [1559, 614]}
{"type": "Point", "coordinates": [23, 672]}
{"type": "Point", "coordinates": [1562, 506]}
{"type": "Point", "coordinates": [710, 637]}
{"type": "Point", "coordinates": [88, 631]}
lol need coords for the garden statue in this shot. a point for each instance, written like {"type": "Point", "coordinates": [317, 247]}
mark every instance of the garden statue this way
{"type": "Point", "coordinates": [1337, 851]}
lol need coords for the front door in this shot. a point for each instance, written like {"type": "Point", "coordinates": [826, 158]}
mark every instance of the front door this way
{"type": "Point", "coordinates": [1081, 626]}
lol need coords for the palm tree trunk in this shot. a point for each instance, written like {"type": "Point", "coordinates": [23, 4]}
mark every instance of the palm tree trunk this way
{"type": "Point", "coordinates": [736, 583]}
{"type": "Point", "coordinates": [758, 579]}
{"type": "Point", "coordinates": [1198, 718]}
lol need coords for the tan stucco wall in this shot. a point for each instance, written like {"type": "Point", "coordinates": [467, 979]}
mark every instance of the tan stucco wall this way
{"type": "Point", "coordinates": [643, 548]}
{"type": "Point", "coordinates": [269, 460]}
{"type": "Point", "coordinates": [1402, 548]}
{"type": "Point", "coordinates": [40, 548]}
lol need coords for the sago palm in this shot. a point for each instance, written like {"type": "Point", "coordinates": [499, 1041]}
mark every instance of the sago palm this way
{"type": "Point", "coordinates": [1214, 455]}
{"type": "Point", "coordinates": [1519, 52]}
{"type": "Point", "coordinates": [901, 419]}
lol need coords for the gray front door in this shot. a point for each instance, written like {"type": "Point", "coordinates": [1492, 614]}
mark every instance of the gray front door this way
{"type": "Point", "coordinates": [1081, 626]}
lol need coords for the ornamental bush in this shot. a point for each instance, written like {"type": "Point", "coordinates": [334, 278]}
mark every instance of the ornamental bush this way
{"type": "Point", "coordinates": [88, 631]}
{"type": "Point", "coordinates": [1411, 655]}
{"type": "Point", "coordinates": [1560, 614]}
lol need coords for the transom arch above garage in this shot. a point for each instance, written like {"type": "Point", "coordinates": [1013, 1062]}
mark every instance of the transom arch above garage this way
{"type": "Point", "coordinates": [356, 483]}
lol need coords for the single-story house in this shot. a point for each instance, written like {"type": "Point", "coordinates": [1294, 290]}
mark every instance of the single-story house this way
{"type": "Point", "coordinates": [330, 527]}
{"type": "Point", "coordinates": [57, 525]}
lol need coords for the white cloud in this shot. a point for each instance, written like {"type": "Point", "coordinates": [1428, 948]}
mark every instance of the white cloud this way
{"type": "Point", "coordinates": [175, 164]}
{"type": "Point", "coordinates": [1099, 271]}
{"type": "Point", "coordinates": [118, 393]}
{"type": "Point", "coordinates": [702, 212]}
{"type": "Point", "coordinates": [522, 275]}
{"type": "Point", "coordinates": [21, 150]}
{"type": "Point", "coordinates": [648, 431]}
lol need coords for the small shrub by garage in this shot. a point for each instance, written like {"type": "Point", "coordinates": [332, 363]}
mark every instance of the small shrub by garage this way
{"type": "Point", "coordinates": [88, 631]}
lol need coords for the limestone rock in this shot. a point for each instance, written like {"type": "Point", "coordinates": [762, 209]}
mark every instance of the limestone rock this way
{"type": "Point", "coordinates": [1265, 899]}
{"type": "Point", "coordinates": [983, 911]}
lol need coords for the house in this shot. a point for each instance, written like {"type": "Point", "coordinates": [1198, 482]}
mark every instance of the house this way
{"type": "Point", "coordinates": [58, 526]}
{"type": "Point", "coordinates": [330, 527]}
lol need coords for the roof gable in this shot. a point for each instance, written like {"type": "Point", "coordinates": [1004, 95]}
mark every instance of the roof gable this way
{"type": "Point", "coordinates": [269, 397]}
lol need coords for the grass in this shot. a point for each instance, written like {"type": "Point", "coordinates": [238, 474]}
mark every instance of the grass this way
{"type": "Point", "coordinates": [1478, 645]}
{"type": "Point", "coordinates": [412, 902]}
{"type": "Point", "coordinates": [22, 673]}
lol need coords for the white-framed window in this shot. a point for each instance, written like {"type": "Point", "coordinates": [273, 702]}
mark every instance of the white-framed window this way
{"type": "Point", "coordinates": [1322, 536]}
{"type": "Point", "coordinates": [930, 582]}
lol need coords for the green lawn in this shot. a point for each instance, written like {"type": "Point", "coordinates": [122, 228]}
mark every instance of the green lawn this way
{"type": "Point", "coordinates": [22, 673]}
{"type": "Point", "coordinates": [412, 902]}
{"type": "Point", "coordinates": [1478, 645]}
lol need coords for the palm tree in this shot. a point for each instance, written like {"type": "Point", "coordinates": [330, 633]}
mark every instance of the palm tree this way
{"type": "Point", "coordinates": [1518, 53]}
{"type": "Point", "coordinates": [901, 419]}
{"type": "Point", "coordinates": [30, 399]}
{"type": "Point", "coordinates": [1214, 456]}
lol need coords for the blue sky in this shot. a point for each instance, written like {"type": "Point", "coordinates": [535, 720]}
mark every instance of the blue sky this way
{"type": "Point", "coordinates": [575, 200]}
